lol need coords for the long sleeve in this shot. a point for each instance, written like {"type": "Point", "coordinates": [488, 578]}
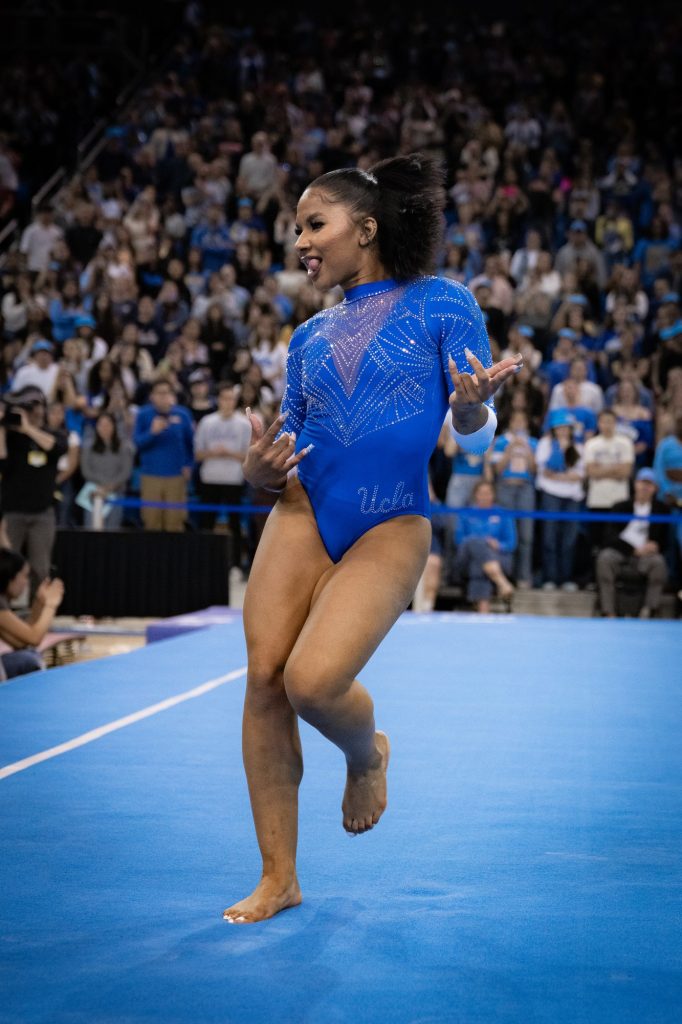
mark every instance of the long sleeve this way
{"type": "Point", "coordinates": [458, 320]}
{"type": "Point", "coordinates": [143, 435]}
{"type": "Point", "coordinates": [126, 456]}
{"type": "Point", "coordinates": [507, 534]}
{"type": "Point", "coordinates": [659, 469]}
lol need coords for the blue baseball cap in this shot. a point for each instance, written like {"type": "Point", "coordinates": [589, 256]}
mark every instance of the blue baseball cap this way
{"type": "Point", "coordinates": [577, 225]}
{"type": "Point", "coordinates": [648, 475]}
{"type": "Point", "coordinates": [671, 297]}
{"type": "Point", "coordinates": [672, 332]}
{"type": "Point", "coordinates": [560, 418]}
{"type": "Point", "coordinates": [526, 330]}
{"type": "Point", "coordinates": [85, 320]}
{"type": "Point", "coordinates": [577, 300]}
{"type": "Point", "coordinates": [42, 345]}
{"type": "Point", "coordinates": [568, 332]}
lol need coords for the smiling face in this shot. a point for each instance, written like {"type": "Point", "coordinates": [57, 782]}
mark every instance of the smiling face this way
{"type": "Point", "coordinates": [335, 247]}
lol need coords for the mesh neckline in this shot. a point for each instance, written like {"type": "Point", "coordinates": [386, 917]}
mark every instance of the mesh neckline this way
{"type": "Point", "coordinates": [365, 291]}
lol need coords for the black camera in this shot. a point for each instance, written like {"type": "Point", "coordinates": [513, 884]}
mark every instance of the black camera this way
{"type": "Point", "coordinates": [12, 418]}
{"type": "Point", "coordinates": [27, 398]}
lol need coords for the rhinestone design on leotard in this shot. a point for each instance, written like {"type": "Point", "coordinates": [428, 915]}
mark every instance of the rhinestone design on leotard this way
{"type": "Point", "coordinates": [364, 363]}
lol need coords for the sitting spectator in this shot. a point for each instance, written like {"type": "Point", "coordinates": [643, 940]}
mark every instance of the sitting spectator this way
{"type": "Point", "coordinates": [64, 311]}
{"type": "Point", "coordinates": [609, 459]}
{"type": "Point", "coordinates": [522, 393]}
{"type": "Point", "coordinates": [485, 548]}
{"type": "Point", "coordinates": [106, 466]}
{"type": "Point", "coordinates": [219, 339]}
{"type": "Point", "coordinates": [590, 395]}
{"type": "Point", "coordinates": [164, 440]}
{"type": "Point", "coordinates": [29, 456]}
{"type": "Point", "coordinates": [640, 543]}
{"type": "Point", "coordinates": [513, 462]}
{"type": "Point", "coordinates": [557, 369]}
{"type": "Point", "coordinates": [580, 248]}
{"type": "Point", "coordinates": [22, 635]}
{"type": "Point", "coordinates": [269, 352]}
{"type": "Point", "coordinates": [41, 372]}
{"type": "Point", "coordinates": [520, 339]}
{"type": "Point", "coordinates": [212, 238]}
{"type": "Point", "coordinates": [584, 419]}
{"type": "Point", "coordinates": [257, 168]}
{"type": "Point", "coordinates": [220, 445]}
{"type": "Point", "coordinates": [560, 483]}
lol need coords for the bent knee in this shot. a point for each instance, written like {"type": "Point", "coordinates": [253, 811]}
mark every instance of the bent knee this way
{"type": "Point", "coordinates": [308, 688]}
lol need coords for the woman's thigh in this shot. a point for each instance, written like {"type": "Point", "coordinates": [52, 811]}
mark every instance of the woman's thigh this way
{"type": "Point", "coordinates": [357, 601]}
{"type": "Point", "coordinates": [289, 562]}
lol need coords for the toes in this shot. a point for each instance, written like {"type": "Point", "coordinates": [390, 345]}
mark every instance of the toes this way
{"type": "Point", "coordinates": [234, 916]}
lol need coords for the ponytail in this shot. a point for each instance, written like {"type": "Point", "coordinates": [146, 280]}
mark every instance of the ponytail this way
{"type": "Point", "coordinates": [404, 194]}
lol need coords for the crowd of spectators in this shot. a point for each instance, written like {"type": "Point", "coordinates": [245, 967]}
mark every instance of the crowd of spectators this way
{"type": "Point", "coordinates": [153, 300]}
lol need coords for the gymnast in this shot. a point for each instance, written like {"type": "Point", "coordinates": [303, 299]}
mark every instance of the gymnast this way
{"type": "Point", "coordinates": [368, 386]}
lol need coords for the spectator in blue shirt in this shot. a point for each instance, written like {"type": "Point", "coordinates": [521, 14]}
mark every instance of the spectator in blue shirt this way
{"type": "Point", "coordinates": [668, 470]}
{"type": "Point", "coordinates": [65, 310]}
{"type": "Point", "coordinates": [485, 547]}
{"type": "Point", "coordinates": [557, 369]}
{"type": "Point", "coordinates": [164, 438]}
{"type": "Point", "coordinates": [513, 461]}
{"type": "Point", "coordinates": [213, 239]}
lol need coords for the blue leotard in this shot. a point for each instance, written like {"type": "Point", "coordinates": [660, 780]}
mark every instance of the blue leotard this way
{"type": "Point", "coordinates": [368, 386]}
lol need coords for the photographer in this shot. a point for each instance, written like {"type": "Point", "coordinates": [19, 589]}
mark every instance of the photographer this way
{"type": "Point", "coordinates": [29, 454]}
{"type": "Point", "coordinates": [23, 635]}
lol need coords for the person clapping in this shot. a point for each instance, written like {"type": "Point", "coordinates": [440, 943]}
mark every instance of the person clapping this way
{"type": "Point", "coordinates": [20, 634]}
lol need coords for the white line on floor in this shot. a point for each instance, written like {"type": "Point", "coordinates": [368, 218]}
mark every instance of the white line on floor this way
{"type": "Point", "coordinates": [120, 723]}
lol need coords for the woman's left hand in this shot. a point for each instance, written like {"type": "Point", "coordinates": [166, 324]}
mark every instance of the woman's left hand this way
{"type": "Point", "coordinates": [472, 389]}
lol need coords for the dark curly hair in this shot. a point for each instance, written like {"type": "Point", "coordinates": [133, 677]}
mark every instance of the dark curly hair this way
{"type": "Point", "coordinates": [404, 194]}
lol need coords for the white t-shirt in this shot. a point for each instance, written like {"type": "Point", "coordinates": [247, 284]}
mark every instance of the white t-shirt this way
{"type": "Point", "coordinates": [605, 492]}
{"type": "Point", "coordinates": [37, 242]}
{"type": "Point", "coordinates": [216, 431]}
{"type": "Point", "coordinates": [31, 374]}
{"type": "Point", "coordinates": [590, 396]}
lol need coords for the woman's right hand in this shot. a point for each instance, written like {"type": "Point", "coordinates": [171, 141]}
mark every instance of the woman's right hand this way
{"type": "Point", "coordinates": [268, 460]}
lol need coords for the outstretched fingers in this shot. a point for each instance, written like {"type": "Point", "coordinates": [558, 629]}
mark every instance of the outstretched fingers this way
{"type": "Point", "coordinates": [482, 383]}
{"type": "Point", "coordinates": [295, 459]}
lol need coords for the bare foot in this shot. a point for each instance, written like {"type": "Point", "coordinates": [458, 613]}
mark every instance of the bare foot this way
{"type": "Point", "coordinates": [266, 900]}
{"type": "Point", "coordinates": [365, 798]}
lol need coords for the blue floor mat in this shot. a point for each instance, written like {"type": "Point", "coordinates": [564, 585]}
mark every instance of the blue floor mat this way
{"type": "Point", "coordinates": [528, 868]}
